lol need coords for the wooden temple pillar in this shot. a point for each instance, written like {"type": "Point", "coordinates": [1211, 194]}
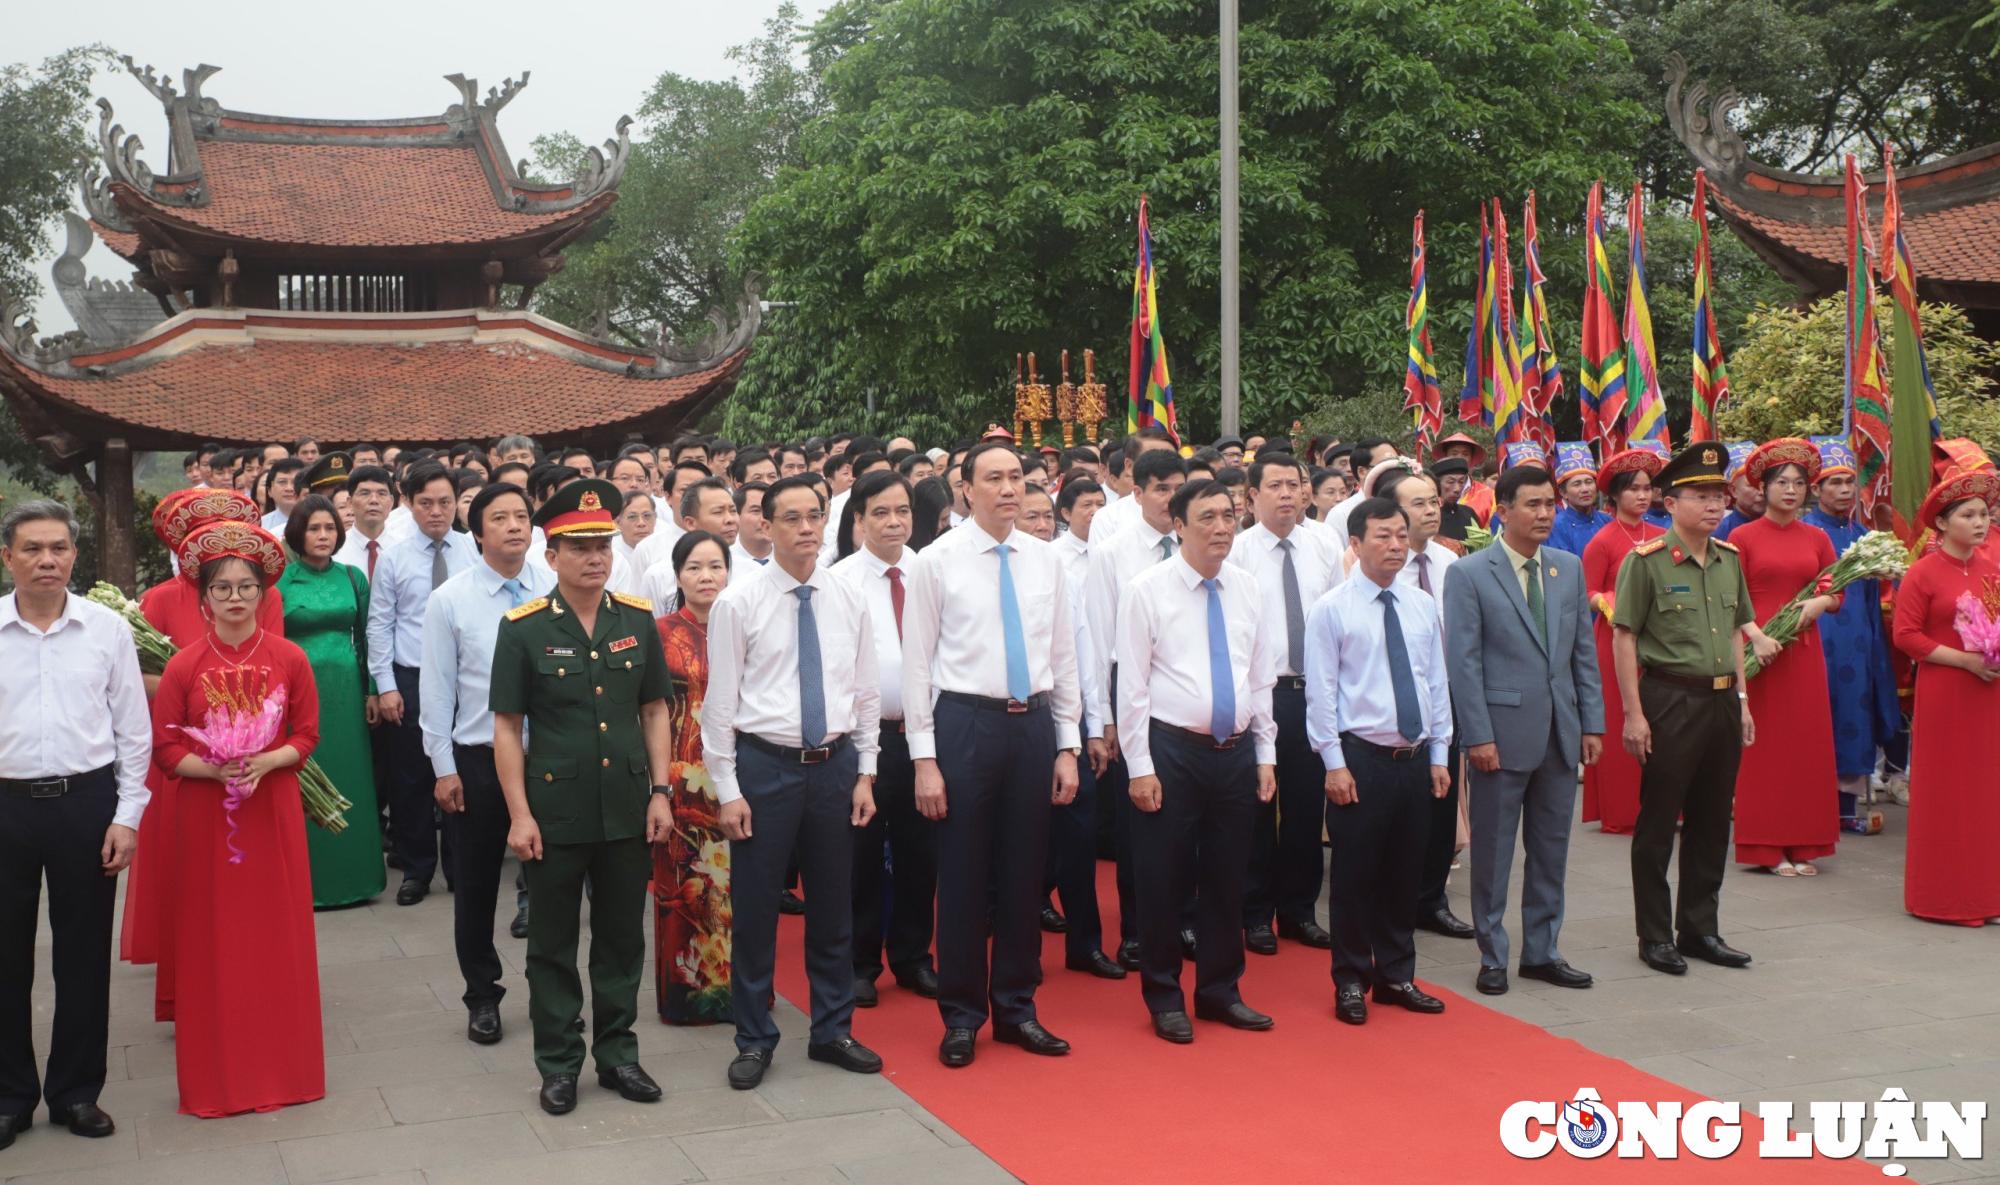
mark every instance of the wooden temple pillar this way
{"type": "Point", "coordinates": [117, 562]}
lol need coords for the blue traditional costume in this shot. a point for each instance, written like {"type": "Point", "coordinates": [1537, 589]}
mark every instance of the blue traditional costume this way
{"type": "Point", "coordinates": [1739, 452]}
{"type": "Point", "coordinates": [1574, 529]}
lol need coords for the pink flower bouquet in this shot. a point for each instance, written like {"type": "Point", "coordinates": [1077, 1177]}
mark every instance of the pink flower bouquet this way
{"type": "Point", "coordinates": [228, 735]}
{"type": "Point", "coordinates": [1978, 624]}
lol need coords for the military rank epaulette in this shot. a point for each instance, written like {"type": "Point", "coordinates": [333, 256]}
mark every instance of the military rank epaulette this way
{"type": "Point", "coordinates": [631, 601]}
{"type": "Point", "coordinates": [1651, 545]}
{"type": "Point", "coordinates": [529, 609]}
{"type": "Point", "coordinates": [1724, 544]}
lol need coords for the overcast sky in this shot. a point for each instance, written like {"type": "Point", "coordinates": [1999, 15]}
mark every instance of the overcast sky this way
{"type": "Point", "coordinates": [592, 62]}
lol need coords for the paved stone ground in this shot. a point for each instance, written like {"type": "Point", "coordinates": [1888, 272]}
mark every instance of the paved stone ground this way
{"type": "Point", "coordinates": [1848, 996]}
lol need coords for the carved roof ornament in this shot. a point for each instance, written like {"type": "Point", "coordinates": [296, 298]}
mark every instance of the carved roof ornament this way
{"type": "Point", "coordinates": [603, 167]}
{"type": "Point", "coordinates": [722, 341]}
{"type": "Point", "coordinates": [106, 311]}
{"type": "Point", "coordinates": [1703, 125]}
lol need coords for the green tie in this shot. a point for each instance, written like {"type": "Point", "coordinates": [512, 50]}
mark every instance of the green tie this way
{"type": "Point", "coordinates": [1535, 600]}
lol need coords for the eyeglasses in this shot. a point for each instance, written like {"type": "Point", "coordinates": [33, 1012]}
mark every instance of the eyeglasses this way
{"type": "Point", "coordinates": [235, 592]}
{"type": "Point", "coordinates": [812, 518]}
{"type": "Point", "coordinates": [1788, 483]}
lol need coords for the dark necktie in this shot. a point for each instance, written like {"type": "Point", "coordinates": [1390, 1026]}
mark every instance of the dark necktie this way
{"type": "Point", "coordinates": [374, 549]}
{"type": "Point", "coordinates": [812, 684]}
{"type": "Point", "coordinates": [895, 576]}
{"type": "Point", "coordinates": [438, 570]}
{"type": "Point", "coordinates": [1535, 607]}
{"type": "Point", "coordinates": [1409, 710]}
{"type": "Point", "coordinates": [1167, 547]}
{"type": "Point", "coordinates": [1295, 614]}
{"type": "Point", "coordinates": [1423, 571]}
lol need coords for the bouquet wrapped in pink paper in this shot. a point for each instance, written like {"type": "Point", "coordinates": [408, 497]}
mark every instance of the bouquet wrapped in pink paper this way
{"type": "Point", "coordinates": [1978, 623]}
{"type": "Point", "coordinates": [230, 733]}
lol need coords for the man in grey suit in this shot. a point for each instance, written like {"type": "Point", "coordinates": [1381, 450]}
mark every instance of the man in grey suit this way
{"type": "Point", "coordinates": [1523, 670]}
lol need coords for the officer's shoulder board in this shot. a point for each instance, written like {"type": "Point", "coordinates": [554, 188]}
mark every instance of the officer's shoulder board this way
{"type": "Point", "coordinates": [1724, 544]}
{"type": "Point", "coordinates": [528, 609]}
{"type": "Point", "coordinates": [630, 601]}
{"type": "Point", "coordinates": [1651, 545]}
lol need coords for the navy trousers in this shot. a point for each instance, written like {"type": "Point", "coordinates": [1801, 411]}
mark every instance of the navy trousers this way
{"type": "Point", "coordinates": [1199, 838]}
{"type": "Point", "coordinates": [910, 842]}
{"type": "Point", "coordinates": [1286, 869]}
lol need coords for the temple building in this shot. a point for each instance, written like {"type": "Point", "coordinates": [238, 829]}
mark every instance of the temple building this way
{"type": "Point", "coordinates": [341, 279]}
{"type": "Point", "coordinates": [1798, 224]}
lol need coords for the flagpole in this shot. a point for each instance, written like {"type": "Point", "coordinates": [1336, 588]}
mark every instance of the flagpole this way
{"type": "Point", "coordinates": [1231, 247]}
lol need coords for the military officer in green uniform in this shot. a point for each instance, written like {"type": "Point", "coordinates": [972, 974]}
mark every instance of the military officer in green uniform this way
{"type": "Point", "coordinates": [1677, 638]}
{"type": "Point", "coordinates": [583, 671]}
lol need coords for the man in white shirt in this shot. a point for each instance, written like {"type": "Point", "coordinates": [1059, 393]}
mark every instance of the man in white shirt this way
{"type": "Point", "coordinates": [284, 493]}
{"type": "Point", "coordinates": [461, 621]}
{"type": "Point", "coordinates": [1294, 567]}
{"type": "Point", "coordinates": [1379, 715]}
{"type": "Point", "coordinates": [371, 494]}
{"type": "Point", "coordinates": [398, 596]}
{"type": "Point", "coordinates": [879, 570]}
{"type": "Point", "coordinates": [1077, 505]}
{"type": "Point", "coordinates": [790, 733]}
{"type": "Point", "coordinates": [1368, 452]}
{"type": "Point", "coordinates": [75, 742]}
{"type": "Point", "coordinates": [705, 505]}
{"type": "Point", "coordinates": [991, 706]}
{"type": "Point", "coordinates": [1123, 512]}
{"type": "Point", "coordinates": [1196, 662]}
{"type": "Point", "coordinates": [752, 548]}
{"type": "Point", "coordinates": [867, 460]}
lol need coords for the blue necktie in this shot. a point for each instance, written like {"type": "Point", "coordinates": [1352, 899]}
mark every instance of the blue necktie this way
{"type": "Point", "coordinates": [812, 686]}
{"type": "Point", "coordinates": [1221, 676]}
{"type": "Point", "coordinates": [1409, 712]}
{"type": "Point", "coordinates": [1010, 631]}
{"type": "Point", "coordinates": [513, 587]}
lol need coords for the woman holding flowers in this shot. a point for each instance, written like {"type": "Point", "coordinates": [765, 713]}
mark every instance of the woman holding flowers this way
{"type": "Point", "coordinates": [691, 913]}
{"type": "Point", "coordinates": [1611, 787]}
{"type": "Point", "coordinates": [237, 711]}
{"type": "Point", "coordinates": [1787, 788]}
{"type": "Point", "coordinates": [1949, 873]}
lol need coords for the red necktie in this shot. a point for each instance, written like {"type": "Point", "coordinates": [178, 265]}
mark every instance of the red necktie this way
{"type": "Point", "coordinates": [896, 598]}
{"type": "Point", "coordinates": [373, 547]}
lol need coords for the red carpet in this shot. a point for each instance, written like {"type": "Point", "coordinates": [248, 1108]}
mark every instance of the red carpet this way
{"type": "Point", "coordinates": [1404, 1098]}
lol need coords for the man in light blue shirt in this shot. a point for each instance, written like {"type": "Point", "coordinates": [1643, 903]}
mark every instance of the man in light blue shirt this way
{"type": "Point", "coordinates": [460, 625]}
{"type": "Point", "coordinates": [404, 579]}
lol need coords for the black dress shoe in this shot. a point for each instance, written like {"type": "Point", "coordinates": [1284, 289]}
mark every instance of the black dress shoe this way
{"type": "Point", "coordinates": [1128, 955]}
{"type": "Point", "coordinates": [748, 1068]}
{"type": "Point", "coordinates": [1096, 963]}
{"type": "Point", "coordinates": [1556, 972]}
{"type": "Point", "coordinates": [848, 1054]}
{"type": "Point", "coordinates": [1492, 981]}
{"type": "Point", "coordinates": [1187, 944]}
{"type": "Point", "coordinates": [1661, 956]}
{"type": "Point", "coordinates": [559, 1093]}
{"type": "Point", "coordinates": [1237, 1016]}
{"type": "Point", "coordinates": [1259, 940]}
{"type": "Point", "coordinates": [519, 926]}
{"type": "Point", "coordinates": [1407, 995]}
{"type": "Point", "coordinates": [412, 892]}
{"type": "Point", "coordinates": [789, 902]}
{"type": "Point", "coordinates": [1174, 1027]}
{"type": "Point", "coordinates": [956, 1048]}
{"type": "Point", "coordinates": [1350, 1005]}
{"type": "Point", "coordinates": [1310, 933]}
{"type": "Point", "coordinates": [1446, 923]}
{"type": "Point", "coordinates": [865, 995]}
{"type": "Point", "coordinates": [483, 1026]}
{"type": "Point", "coordinates": [1711, 949]}
{"type": "Point", "coordinates": [14, 1125]}
{"type": "Point", "coordinates": [1053, 922]}
{"type": "Point", "coordinates": [83, 1119]}
{"type": "Point", "coordinates": [632, 1083]}
{"type": "Point", "coordinates": [1031, 1036]}
{"type": "Point", "coordinates": [922, 981]}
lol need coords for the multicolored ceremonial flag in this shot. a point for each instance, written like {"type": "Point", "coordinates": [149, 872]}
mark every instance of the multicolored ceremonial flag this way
{"type": "Point", "coordinates": [1648, 418]}
{"type": "Point", "coordinates": [1475, 399]}
{"type": "Point", "coordinates": [1503, 352]}
{"type": "Point", "coordinates": [1914, 426]}
{"type": "Point", "coordinates": [1601, 373]}
{"type": "Point", "coordinates": [1711, 367]}
{"type": "Point", "coordinates": [1422, 398]}
{"type": "Point", "coordinates": [1151, 391]}
{"type": "Point", "coordinates": [1866, 397]}
{"type": "Point", "coordinates": [1541, 374]}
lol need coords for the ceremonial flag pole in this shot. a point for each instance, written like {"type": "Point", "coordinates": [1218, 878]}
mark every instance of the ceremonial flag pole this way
{"type": "Point", "coordinates": [1913, 424]}
{"type": "Point", "coordinates": [1420, 381]}
{"type": "Point", "coordinates": [1150, 398]}
{"type": "Point", "coordinates": [1475, 399]}
{"type": "Point", "coordinates": [1649, 410]}
{"type": "Point", "coordinates": [1541, 374]}
{"type": "Point", "coordinates": [1711, 368]}
{"type": "Point", "coordinates": [1601, 374]}
{"type": "Point", "coordinates": [1866, 399]}
{"type": "Point", "coordinates": [1503, 351]}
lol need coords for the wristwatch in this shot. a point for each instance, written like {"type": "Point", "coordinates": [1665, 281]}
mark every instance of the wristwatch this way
{"type": "Point", "coordinates": [658, 789]}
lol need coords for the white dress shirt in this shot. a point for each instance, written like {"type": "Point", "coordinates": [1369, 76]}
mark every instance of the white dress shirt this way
{"type": "Point", "coordinates": [741, 560]}
{"type": "Point", "coordinates": [952, 635]}
{"type": "Point", "coordinates": [72, 701]}
{"type": "Point", "coordinates": [1075, 555]}
{"type": "Point", "coordinates": [1336, 519]}
{"type": "Point", "coordinates": [1318, 567]}
{"type": "Point", "coordinates": [1093, 693]}
{"type": "Point", "coordinates": [753, 669]}
{"type": "Point", "coordinates": [1114, 562]}
{"type": "Point", "coordinates": [274, 522]}
{"type": "Point", "coordinates": [400, 525]}
{"type": "Point", "coordinates": [1163, 661]}
{"type": "Point", "coordinates": [829, 544]}
{"type": "Point", "coordinates": [1348, 687]}
{"type": "Point", "coordinates": [354, 550]}
{"type": "Point", "coordinates": [869, 574]}
{"type": "Point", "coordinates": [1437, 557]}
{"type": "Point", "coordinates": [397, 597]}
{"type": "Point", "coordinates": [461, 622]}
{"type": "Point", "coordinates": [1118, 514]}
{"type": "Point", "coordinates": [657, 549]}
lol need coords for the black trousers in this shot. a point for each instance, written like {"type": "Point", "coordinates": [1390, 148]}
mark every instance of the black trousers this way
{"type": "Point", "coordinates": [1286, 869]}
{"type": "Point", "coordinates": [1378, 848]}
{"type": "Point", "coordinates": [1690, 777]}
{"type": "Point", "coordinates": [1440, 844]}
{"type": "Point", "coordinates": [60, 839]}
{"type": "Point", "coordinates": [1199, 838]}
{"type": "Point", "coordinates": [477, 841]}
{"type": "Point", "coordinates": [1072, 867]}
{"type": "Point", "coordinates": [910, 842]}
{"type": "Point", "coordinates": [413, 813]}
{"type": "Point", "coordinates": [998, 770]}
{"type": "Point", "coordinates": [807, 809]}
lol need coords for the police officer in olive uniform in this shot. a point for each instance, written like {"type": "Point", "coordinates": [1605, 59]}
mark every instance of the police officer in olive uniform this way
{"type": "Point", "coordinates": [326, 474]}
{"type": "Point", "coordinates": [1677, 621]}
{"type": "Point", "coordinates": [584, 670]}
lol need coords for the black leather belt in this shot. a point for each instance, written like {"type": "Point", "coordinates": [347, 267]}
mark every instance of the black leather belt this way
{"type": "Point", "coordinates": [816, 756]}
{"type": "Point", "coordinates": [1201, 738]}
{"type": "Point", "coordinates": [990, 703]}
{"type": "Point", "coordinates": [56, 787]}
{"type": "Point", "coordinates": [1697, 682]}
{"type": "Point", "coordinates": [1392, 752]}
{"type": "Point", "coordinates": [1291, 683]}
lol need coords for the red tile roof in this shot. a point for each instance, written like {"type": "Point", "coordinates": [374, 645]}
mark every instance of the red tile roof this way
{"type": "Point", "coordinates": [1957, 244]}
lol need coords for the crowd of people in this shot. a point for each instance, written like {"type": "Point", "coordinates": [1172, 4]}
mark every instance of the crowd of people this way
{"type": "Point", "coordinates": [917, 695]}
